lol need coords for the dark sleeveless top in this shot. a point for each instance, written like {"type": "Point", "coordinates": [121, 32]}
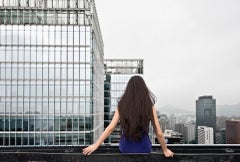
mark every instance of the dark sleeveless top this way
{"type": "Point", "coordinates": [129, 146]}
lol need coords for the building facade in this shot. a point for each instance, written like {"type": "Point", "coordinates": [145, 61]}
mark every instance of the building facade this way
{"type": "Point", "coordinates": [173, 121]}
{"type": "Point", "coordinates": [179, 127]}
{"type": "Point", "coordinates": [206, 112]}
{"type": "Point", "coordinates": [117, 74]}
{"type": "Point", "coordinates": [221, 136]}
{"type": "Point", "coordinates": [189, 132]}
{"type": "Point", "coordinates": [205, 135]}
{"type": "Point", "coordinates": [233, 131]}
{"type": "Point", "coordinates": [164, 120]}
{"type": "Point", "coordinates": [51, 72]}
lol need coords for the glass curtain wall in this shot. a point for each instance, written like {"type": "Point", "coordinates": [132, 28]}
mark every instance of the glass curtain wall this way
{"type": "Point", "coordinates": [206, 113]}
{"type": "Point", "coordinates": [117, 74]}
{"type": "Point", "coordinates": [51, 72]}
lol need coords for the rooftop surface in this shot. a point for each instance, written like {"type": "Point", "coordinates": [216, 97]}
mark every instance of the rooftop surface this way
{"type": "Point", "coordinates": [183, 153]}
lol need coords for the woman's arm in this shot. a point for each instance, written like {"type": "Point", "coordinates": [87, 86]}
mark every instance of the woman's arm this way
{"type": "Point", "coordinates": [160, 135]}
{"type": "Point", "coordinates": [88, 150]}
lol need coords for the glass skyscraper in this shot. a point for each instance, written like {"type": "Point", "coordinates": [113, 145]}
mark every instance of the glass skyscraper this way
{"type": "Point", "coordinates": [117, 74]}
{"type": "Point", "coordinates": [51, 73]}
{"type": "Point", "coordinates": [206, 112]}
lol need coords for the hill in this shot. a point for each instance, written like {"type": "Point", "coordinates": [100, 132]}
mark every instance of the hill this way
{"type": "Point", "coordinates": [228, 110]}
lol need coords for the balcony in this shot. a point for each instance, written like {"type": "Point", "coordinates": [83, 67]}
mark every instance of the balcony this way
{"type": "Point", "coordinates": [183, 153]}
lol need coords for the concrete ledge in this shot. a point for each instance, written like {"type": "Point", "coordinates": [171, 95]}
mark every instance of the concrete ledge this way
{"type": "Point", "coordinates": [184, 153]}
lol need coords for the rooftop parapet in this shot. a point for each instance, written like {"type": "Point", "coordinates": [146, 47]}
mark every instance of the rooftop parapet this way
{"type": "Point", "coordinates": [186, 153]}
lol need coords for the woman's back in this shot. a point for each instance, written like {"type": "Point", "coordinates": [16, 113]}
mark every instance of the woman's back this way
{"type": "Point", "coordinates": [135, 111]}
{"type": "Point", "coordinates": [144, 145]}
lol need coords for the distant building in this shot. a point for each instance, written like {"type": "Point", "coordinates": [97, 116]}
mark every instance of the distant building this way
{"type": "Point", "coordinates": [220, 122]}
{"type": "Point", "coordinates": [205, 135]}
{"type": "Point", "coordinates": [172, 137]}
{"type": "Point", "coordinates": [189, 132]}
{"type": "Point", "coordinates": [221, 136]}
{"type": "Point", "coordinates": [117, 74]}
{"type": "Point", "coordinates": [179, 127]}
{"type": "Point", "coordinates": [173, 121]}
{"type": "Point", "coordinates": [206, 112]}
{"type": "Point", "coordinates": [164, 121]}
{"type": "Point", "coordinates": [232, 131]}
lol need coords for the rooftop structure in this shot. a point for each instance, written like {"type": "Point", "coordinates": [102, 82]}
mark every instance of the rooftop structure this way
{"type": "Point", "coordinates": [124, 66]}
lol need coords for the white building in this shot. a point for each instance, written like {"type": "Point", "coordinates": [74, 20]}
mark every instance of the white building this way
{"type": "Point", "coordinates": [205, 135]}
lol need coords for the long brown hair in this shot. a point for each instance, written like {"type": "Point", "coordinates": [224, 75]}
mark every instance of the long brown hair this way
{"type": "Point", "coordinates": [135, 109]}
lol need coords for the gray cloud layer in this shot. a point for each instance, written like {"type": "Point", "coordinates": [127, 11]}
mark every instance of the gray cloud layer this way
{"type": "Point", "coordinates": [190, 47]}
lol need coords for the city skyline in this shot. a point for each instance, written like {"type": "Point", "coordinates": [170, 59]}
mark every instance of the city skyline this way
{"type": "Point", "coordinates": [190, 48]}
{"type": "Point", "coordinates": [51, 88]}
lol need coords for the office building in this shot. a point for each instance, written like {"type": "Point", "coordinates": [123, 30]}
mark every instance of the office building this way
{"type": "Point", "coordinates": [221, 122]}
{"type": "Point", "coordinates": [179, 127]}
{"type": "Point", "coordinates": [117, 74]}
{"type": "Point", "coordinates": [233, 131]}
{"type": "Point", "coordinates": [205, 135]}
{"type": "Point", "coordinates": [189, 132]}
{"type": "Point", "coordinates": [164, 121]}
{"type": "Point", "coordinates": [173, 121]}
{"type": "Point", "coordinates": [51, 73]}
{"type": "Point", "coordinates": [221, 136]}
{"type": "Point", "coordinates": [206, 112]}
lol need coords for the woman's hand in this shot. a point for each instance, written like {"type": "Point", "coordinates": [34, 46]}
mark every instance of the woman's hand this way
{"type": "Point", "coordinates": [88, 150]}
{"type": "Point", "coordinates": [168, 153]}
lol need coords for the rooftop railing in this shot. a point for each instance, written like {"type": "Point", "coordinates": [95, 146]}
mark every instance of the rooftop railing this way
{"type": "Point", "coordinates": [183, 153]}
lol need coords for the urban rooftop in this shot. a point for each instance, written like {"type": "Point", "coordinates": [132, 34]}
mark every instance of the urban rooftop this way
{"type": "Point", "coordinates": [58, 92]}
{"type": "Point", "coordinates": [183, 153]}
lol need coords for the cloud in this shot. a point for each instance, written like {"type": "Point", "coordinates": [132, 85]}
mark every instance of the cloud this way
{"type": "Point", "coordinates": [190, 48]}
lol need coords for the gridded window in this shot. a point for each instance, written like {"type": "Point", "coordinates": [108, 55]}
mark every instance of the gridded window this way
{"type": "Point", "coordinates": [46, 79]}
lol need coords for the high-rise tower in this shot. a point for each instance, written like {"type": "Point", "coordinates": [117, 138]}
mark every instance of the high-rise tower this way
{"type": "Point", "coordinates": [206, 112]}
{"type": "Point", "coordinates": [233, 131]}
{"type": "Point", "coordinates": [51, 72]}
{"type": "Point", "coordinates": [117, 74]}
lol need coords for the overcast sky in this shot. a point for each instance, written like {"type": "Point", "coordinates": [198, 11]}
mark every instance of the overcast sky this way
{"type": "Point", "coordinates": [190, 47]}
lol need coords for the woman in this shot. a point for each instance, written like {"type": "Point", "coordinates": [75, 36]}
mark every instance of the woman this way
{"type": "Point", "coordinates": [135, 110]}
